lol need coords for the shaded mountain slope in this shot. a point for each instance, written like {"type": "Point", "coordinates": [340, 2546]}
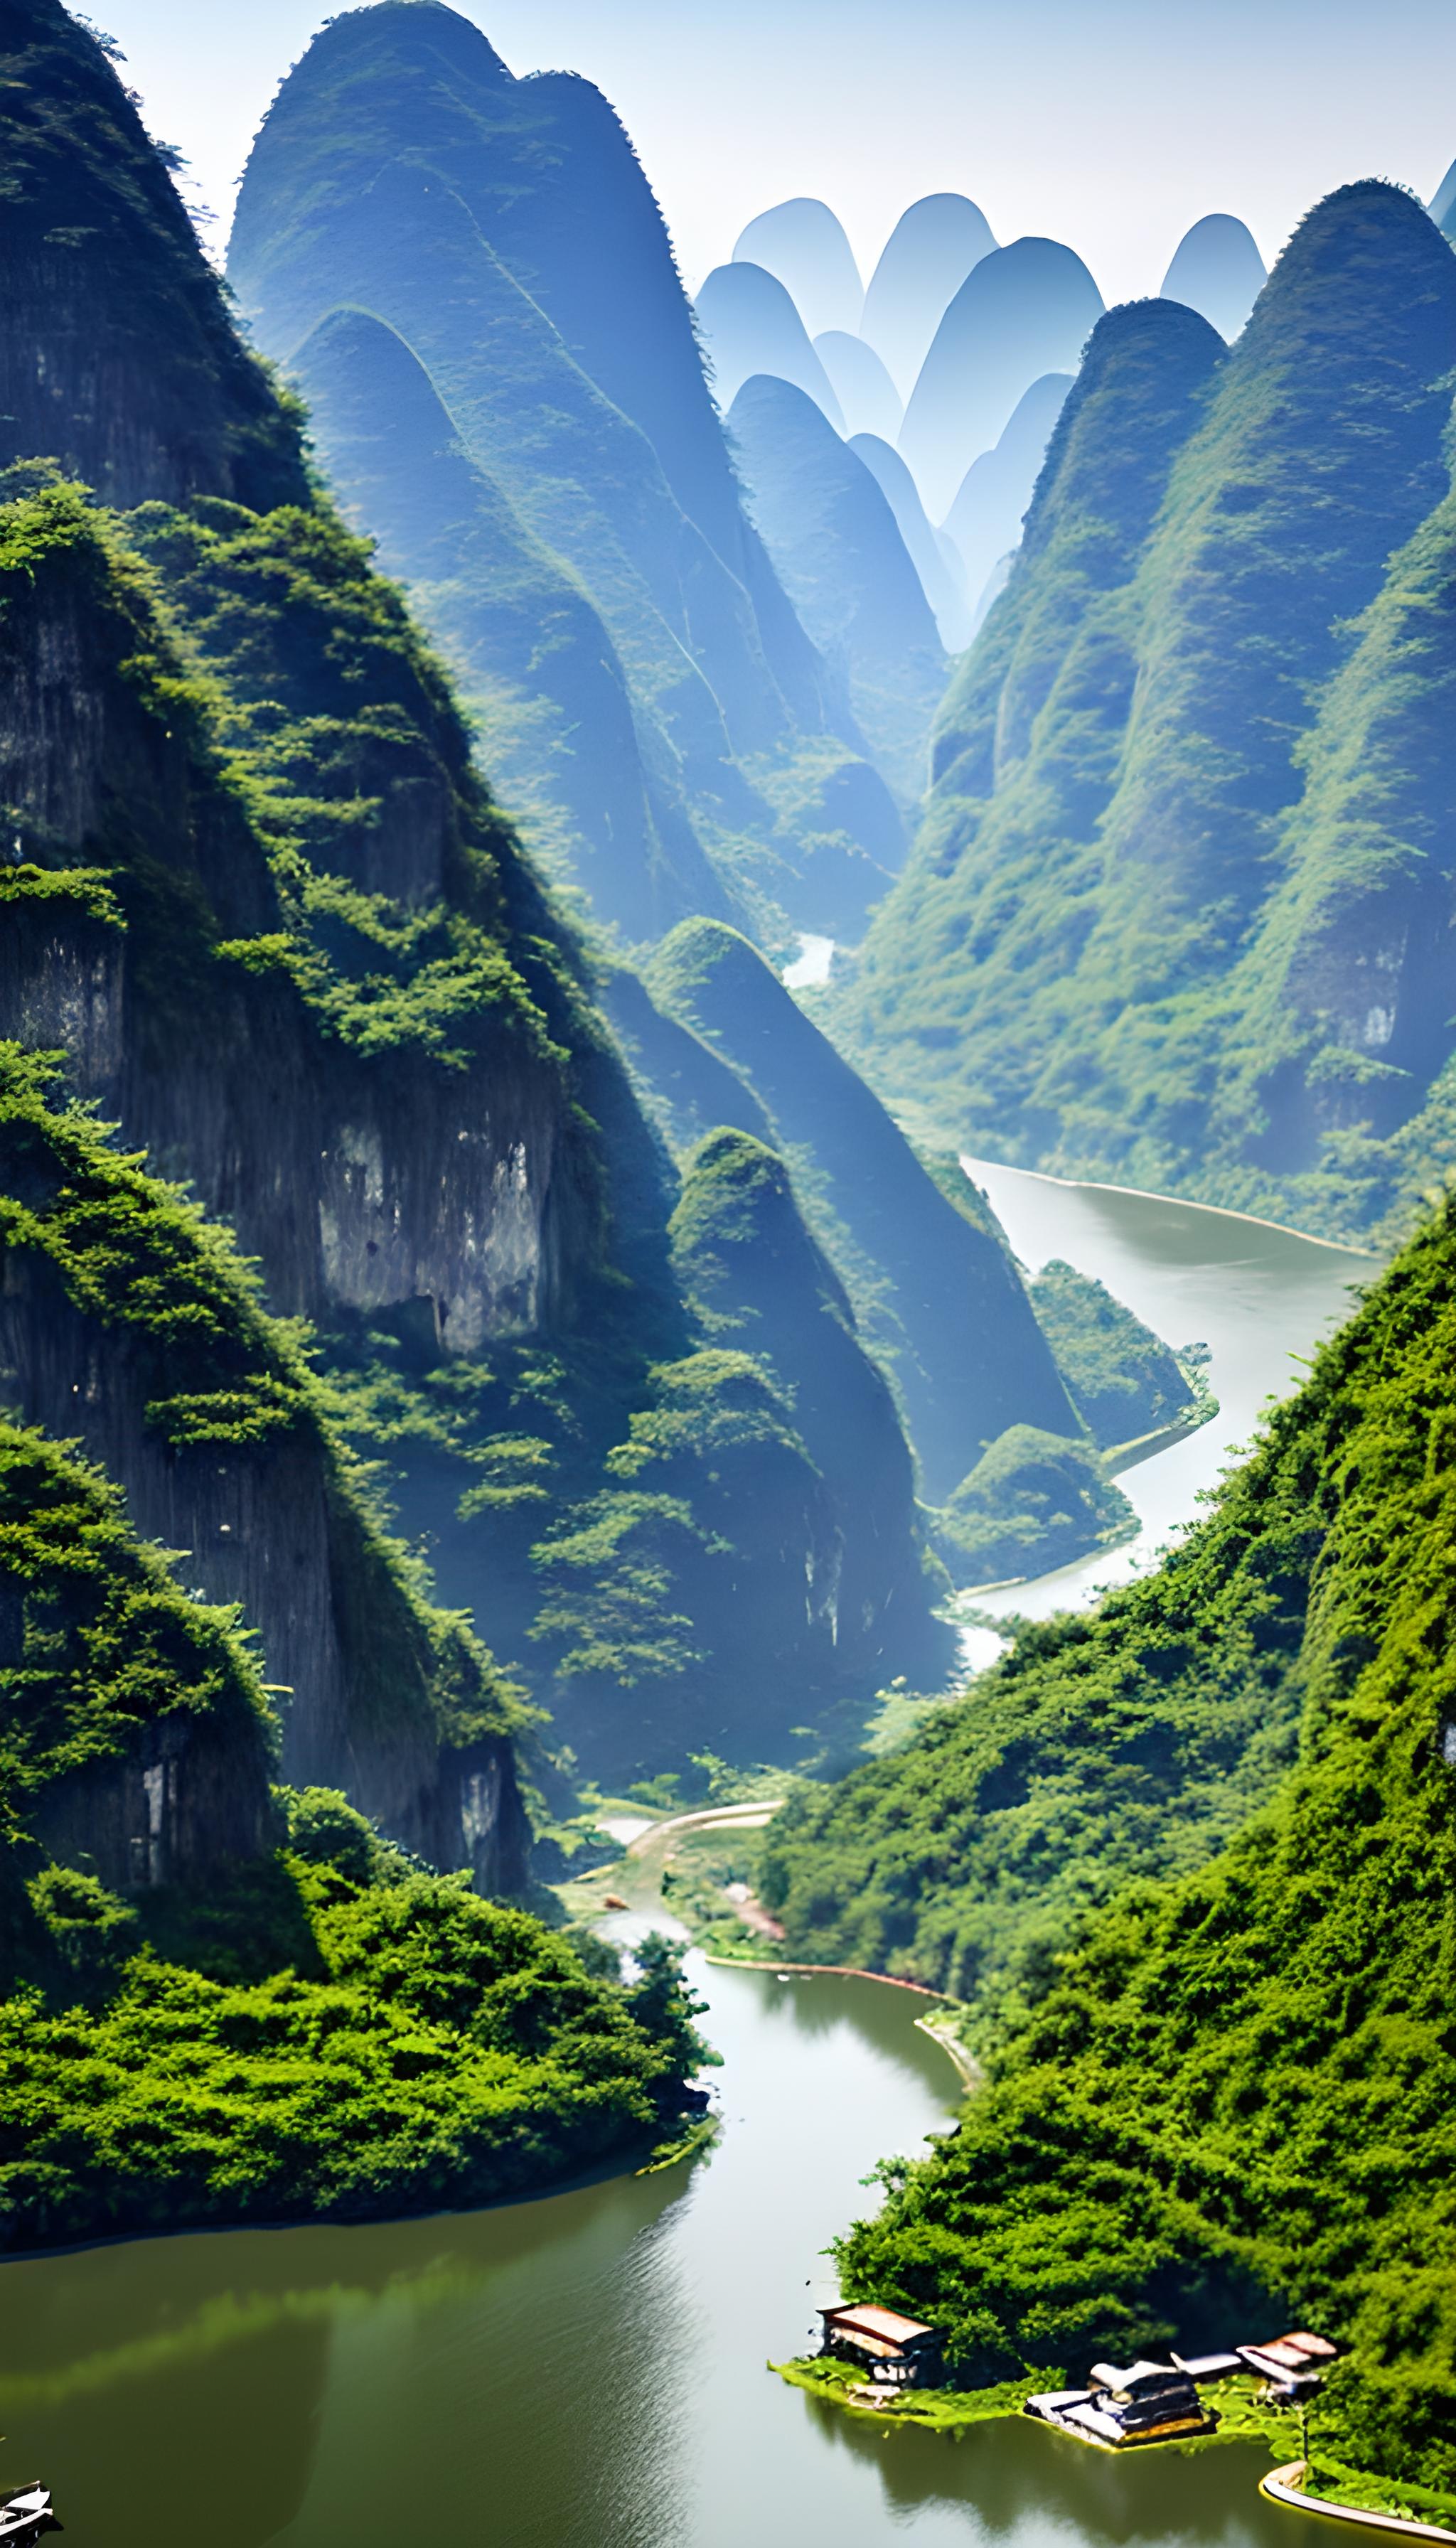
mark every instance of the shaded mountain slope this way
{"type": "Point", "coordinates": [1130, 914]}
{"type": "Point", "coordinates": [401, 170]}
{"type": "Point", "coordinates": [1247, 2070]}
{"type": "Point", "coordinates": [1021, 311]}
{"type": "Point", "coordinates": [940, 575]}
{"type": "Point", "coordinates": [923, 264]}
{"type": "Point", "coordinates": [992, 498]}
{"type": "Point", "coordinates": [262, 902]}
{"type": "Point", "coordinates": [534, 659]}
{"type": "Point", "coordinates": [867, 396]}
{"type": "Point", "coordinates": [750, 324]}
{"type": "Point", "coordinates": [935, 1287]}
{"type": "Point", "coordinates": [115, 355]}
{"type": "Point", "coordinates": [803, 243]}
{"type": "Point", "coordinates": [130, 1322]}
{"type": "Point", "coordinates": [837, 547]}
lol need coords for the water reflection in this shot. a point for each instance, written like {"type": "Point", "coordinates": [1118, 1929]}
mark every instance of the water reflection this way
{"type": "Point", "coordinates": [586, 2370]}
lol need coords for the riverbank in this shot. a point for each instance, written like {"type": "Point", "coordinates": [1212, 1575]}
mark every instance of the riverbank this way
{"type": "Point", "coordinates": [1349, 2496]}
{"type": "Point", "coordinates": [1242, 2416]}
{"type": "Point", "coordinates": [1327, 2489]}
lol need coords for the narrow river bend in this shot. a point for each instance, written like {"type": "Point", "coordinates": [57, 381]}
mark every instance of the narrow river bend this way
{"type": "Point", "coordinates": [588, 2371]}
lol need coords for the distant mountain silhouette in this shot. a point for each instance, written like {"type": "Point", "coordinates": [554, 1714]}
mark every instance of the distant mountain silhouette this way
{"type": "Point", "coordinates": [942, 577]}
{"type": "Point", "coordinates": [837, 546]}
{"type": "Point", "coordinates": [505, 233]}
{"type": "Point", "coordinates": [1218, 271]}
{"type": "Point", "coordinates": [985, 519]}
{"type": "Point", "coordinates": [926, 259]}
{"type": "Point", "coordinates": [802, 243]}
{"type": "Point", "coordinates": [1443, 201]}
{"type": "Point", "coordinates": [748, 324]}
{"type": "Point", "coordinates": [563, 748]}
{"type": "Point", "coordinates": [1024, 311]}
{"type": "Point", "coordinates": [870, 402]}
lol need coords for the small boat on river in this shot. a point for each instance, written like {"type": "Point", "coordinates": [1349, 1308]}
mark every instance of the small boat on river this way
{"type": "Point", "coordinates": [26, 2516]}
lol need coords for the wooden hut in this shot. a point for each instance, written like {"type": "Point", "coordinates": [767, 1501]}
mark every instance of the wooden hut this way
{"type": "Point", "coordinates": [898, 2353]}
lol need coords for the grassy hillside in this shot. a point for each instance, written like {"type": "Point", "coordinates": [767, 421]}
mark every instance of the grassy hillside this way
{"type": "Point", "coordinates": [277, 2016]}
{"type": "Point", "coordinates": [1160, 880]}
{"type": "Point", "coordinates": [1230, 2096]}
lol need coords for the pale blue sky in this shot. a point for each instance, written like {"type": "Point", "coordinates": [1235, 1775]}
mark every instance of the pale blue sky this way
{"type": "Point", "coordinates": [1110, 123]}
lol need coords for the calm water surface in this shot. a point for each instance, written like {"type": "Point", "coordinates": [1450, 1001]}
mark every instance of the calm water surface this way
{"type": "Point", "coordinates": [1259, 1297]}
{"type": "Point", "coordinates": [583, 2371]}
{"type": "Point", "coordinates": [588, 2371]}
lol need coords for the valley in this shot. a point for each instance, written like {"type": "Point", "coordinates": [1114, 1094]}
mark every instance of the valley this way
{"type": "Point", "coordinates": [727, 1300]}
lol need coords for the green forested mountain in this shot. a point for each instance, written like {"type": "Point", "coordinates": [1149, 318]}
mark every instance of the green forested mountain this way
{"type": "Point", "coordinates": [503, 232]}
{"type": "Point", "coordinates": [264, 906]}
{"type": "Point", "coordinates": [1116, 947]}
{"type": "Point", "coordinates": [551, 702]}
{"type": "Point", "coordinates": [1122, 1380]}
{"type": "Point", "coordinates": [934, 1282]}
{"type": "Point", "coordinates": [1231, 2093]}
{"type": "Point", "coordinates": [242, 2005]}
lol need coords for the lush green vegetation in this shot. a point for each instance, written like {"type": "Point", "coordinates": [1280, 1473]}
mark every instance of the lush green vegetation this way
{"type": "Point", "coordinates": [99, 1638]}
{"type": "Point", "coordinates": [176, 1311]}
{"type": "Point", "coordinates": [266, 2033]}
{"type": "Point", "coordinates": [1034, 1502]}
{"type": "Point", "coordinates": [1167, 917]}
{"type": "Point", "coordinates": [1121, 1379]}
{"type": "Point", "coordinates": [1228, 2096]}
{"type": "Point", "coordinates": [1109, 1746]}
{"type": "Point", "coordinates": [421, 2047]}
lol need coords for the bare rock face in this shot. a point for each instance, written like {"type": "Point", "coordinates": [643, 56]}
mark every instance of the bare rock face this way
{"type": "Point", "coordinates": [179, 1808]}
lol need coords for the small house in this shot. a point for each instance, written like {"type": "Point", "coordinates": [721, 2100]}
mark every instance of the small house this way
{"type": "Point", "coordinates": [1292, 2364]}
{"type": "Point", "coordinates": [898, 2353]}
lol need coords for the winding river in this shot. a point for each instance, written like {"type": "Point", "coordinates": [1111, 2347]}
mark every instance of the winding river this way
{"type": "Point", "coordinates": [588, 2371]}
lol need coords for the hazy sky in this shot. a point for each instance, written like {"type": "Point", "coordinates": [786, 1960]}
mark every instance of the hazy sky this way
{"type": "Point", "coordinates": [1110, 123]}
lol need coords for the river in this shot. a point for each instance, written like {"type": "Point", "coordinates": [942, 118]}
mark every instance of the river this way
{"type": "Point", "coordinates": [585, 2371]}
{"type": "Point", "coordinates": [588, 2369]}
{"type": "Point", "coordinates": [1258, 1295]}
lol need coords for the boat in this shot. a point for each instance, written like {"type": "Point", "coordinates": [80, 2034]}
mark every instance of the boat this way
{"type": "Point", "coordinates": [1150, 2402]}
{"type": "Point", "coordinates": [26, 2516]}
